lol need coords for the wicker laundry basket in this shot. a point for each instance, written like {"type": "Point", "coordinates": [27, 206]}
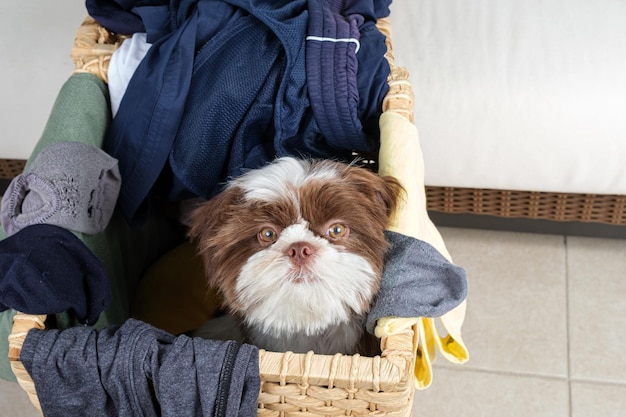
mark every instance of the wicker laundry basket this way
{"type": "Point", "coordinates": [291, 384]}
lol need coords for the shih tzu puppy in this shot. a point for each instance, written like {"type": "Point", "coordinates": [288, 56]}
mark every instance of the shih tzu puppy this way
{"type": "Point", "coordinates": [296, 249]}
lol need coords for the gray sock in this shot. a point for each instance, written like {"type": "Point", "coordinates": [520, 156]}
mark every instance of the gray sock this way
{"type": "Point", "coordinates": [69, 184]}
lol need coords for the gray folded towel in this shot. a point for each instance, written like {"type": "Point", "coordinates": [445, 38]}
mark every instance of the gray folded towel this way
{"type": "Point", "coordinates": [417, 281]}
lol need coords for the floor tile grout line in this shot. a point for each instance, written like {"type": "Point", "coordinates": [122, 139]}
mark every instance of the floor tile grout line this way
{"type": "Point", "coordinates": [570, 380]}
{"type": "Point", "coordinates": [568, 327]}
{"type": "Point", "coordinates": [591, 381]}
{"type": "Point", "coordinates": [501, 372]}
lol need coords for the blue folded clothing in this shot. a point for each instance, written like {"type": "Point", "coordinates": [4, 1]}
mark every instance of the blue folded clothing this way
{"type": "Point", "coordinates": [45, 269]}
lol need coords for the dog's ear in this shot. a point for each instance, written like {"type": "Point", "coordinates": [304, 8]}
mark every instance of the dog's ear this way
{"type": "Point", "coordinates": [207, 219]}
{"type": "Point", "coordinates": [207, 222]}
{"type": "Point", "coordinates": [385, 191]}
{"type": "Point", "coordinates": [389, 192]}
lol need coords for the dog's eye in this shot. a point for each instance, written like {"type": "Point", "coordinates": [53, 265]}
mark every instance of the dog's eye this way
{"type": "Point", "coordinates": [337, 231]}
{"type": "Point", "coordinates": [267, 235]}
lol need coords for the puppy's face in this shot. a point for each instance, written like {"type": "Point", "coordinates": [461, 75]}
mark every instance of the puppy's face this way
{"type": "Point", "coordinates": [298, 245]}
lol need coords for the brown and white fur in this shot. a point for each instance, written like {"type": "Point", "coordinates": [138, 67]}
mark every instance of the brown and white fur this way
{"type": "Point", "coordinates": [296, 248]}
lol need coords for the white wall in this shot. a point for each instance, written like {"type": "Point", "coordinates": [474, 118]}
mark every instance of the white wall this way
{"type": "Point", "coordinates": [36, 38]}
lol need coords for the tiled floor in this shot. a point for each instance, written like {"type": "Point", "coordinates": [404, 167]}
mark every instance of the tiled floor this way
{"type": "Point", "coordinates": [546, 328]}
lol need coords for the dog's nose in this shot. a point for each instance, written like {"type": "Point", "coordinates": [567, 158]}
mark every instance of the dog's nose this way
{"type": "Point", "coordinates": [300, 251]}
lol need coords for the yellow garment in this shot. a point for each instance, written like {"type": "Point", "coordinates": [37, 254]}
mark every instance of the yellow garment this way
{"type": "Point", "coordinates": [401, 157]}
{"type": "Point", "coordinates": [173, 294]}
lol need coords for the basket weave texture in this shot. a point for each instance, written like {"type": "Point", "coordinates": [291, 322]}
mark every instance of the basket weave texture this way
{"type": "Point", "coordinates": [291, 384]}
{"type": "Point", "coordinates": [10, 168]}
{"type": "Point", "coordinates": [591, 208]}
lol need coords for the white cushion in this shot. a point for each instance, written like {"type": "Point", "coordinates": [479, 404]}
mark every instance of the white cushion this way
{"type": "Point", "coordinates": [518, 95]}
